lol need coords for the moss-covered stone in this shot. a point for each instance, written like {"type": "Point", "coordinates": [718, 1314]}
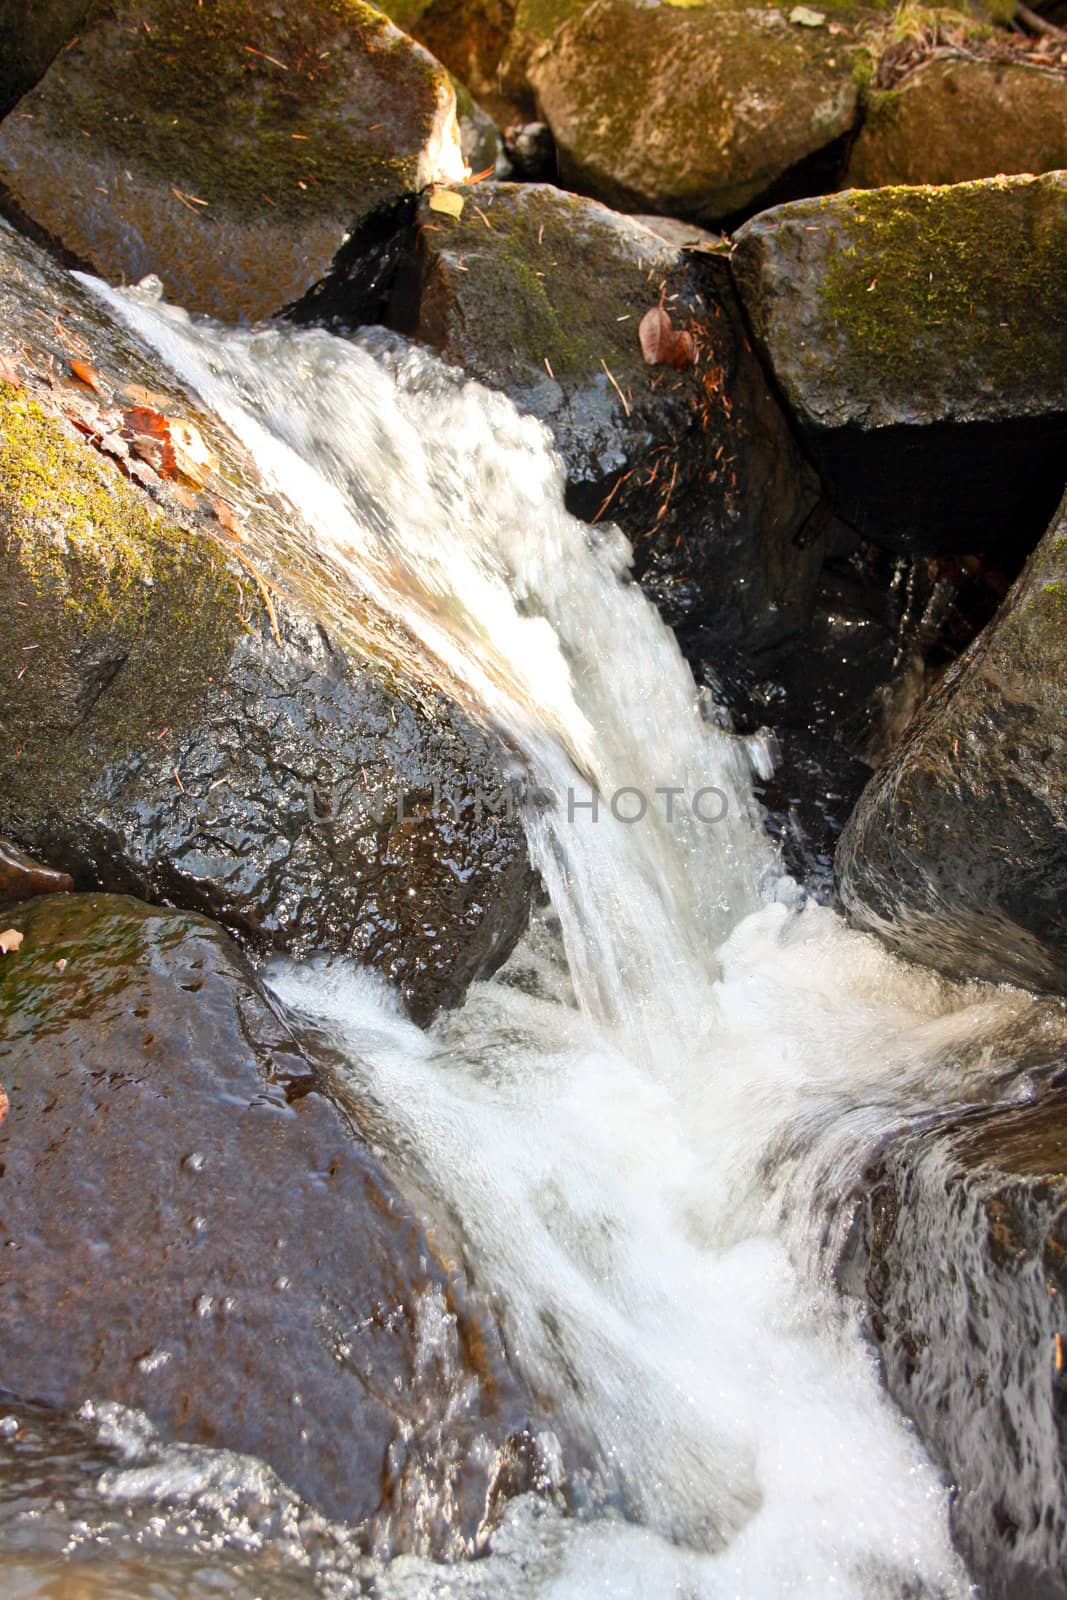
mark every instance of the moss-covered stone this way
{"type": "Point", "coordinates": [939, 303]}
{"type": "Point", "coordinates": [93, 578]}
{"type": "Point", "coordinates": [244, 145]}
{"type": "Point", "coordinates": [690, 111]}
{"type": "Point", "coordinates": [471, 38]}
{"type": "Point", "coordinates": [158, 735]}
{"type": "Point", "coordinates": [953, 121]}
{"type": "Point", "coordinates": [920, 336]}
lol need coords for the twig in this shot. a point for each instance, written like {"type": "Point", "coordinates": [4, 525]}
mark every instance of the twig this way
{"type": "Point", "coordinates": [614, 385]}
{"type": "Point", "coordinates": [1038, 23]}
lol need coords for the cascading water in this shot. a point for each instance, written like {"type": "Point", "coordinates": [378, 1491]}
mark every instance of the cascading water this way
{"type": "Point", "coordinates": [642, 1122]}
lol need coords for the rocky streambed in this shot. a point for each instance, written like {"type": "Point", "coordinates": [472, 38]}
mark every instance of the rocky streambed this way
{"type": "Point", "coordinates": [837, 452]}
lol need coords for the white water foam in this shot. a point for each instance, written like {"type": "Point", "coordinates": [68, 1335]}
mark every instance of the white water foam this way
{"type": "Point", "coordinates": [640, 1122]}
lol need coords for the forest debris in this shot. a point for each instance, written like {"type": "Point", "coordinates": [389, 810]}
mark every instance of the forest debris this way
{"type": "Point", "coordinates": [8, 371]}
{"type": "Point", "coordinates": [615, 386]}
{"type": "Point", "coordinates": [4, 1103]}
{"type": "Point", "coordinates": [663, 345]}
{"type": "Point", "coordinates": [10, 940]}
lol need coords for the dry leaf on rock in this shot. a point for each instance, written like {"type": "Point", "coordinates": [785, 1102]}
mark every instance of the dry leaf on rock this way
{"type": "Point", "coordinates": [10, 940]}
{"type": "Point", "coordinates": [4, 1103]}
{"type": "Point", "coordinates": [85, 374]}
{"type": "Point", "coordinates": [8, 371]}
{"type": "Point", "coordinates": [656, 334]}
{"type": "Point", "coordinates": [446, 201]}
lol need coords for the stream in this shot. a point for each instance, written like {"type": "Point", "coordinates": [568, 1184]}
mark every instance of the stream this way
{"type": "Point", "coordinates": [643, 1131]}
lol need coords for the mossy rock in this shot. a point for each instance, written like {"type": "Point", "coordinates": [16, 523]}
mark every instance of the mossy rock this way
{"type": "Point", "coordinates": [227, 147]}
{"type": "Point", "coordinates": [190, 1227]}
{"type": "Point", "coordinates": [471, 38]}
{"type": "Point", "coordinates": [920, 337]}
{"type": "Point", "coordinates": [691, 111]}
{"type": "Point", "coordinates": [953, 121]}
{"type": "Point", "coordinates": [156, 737]}
{"type": "Point", "coordinates": [957, 852]}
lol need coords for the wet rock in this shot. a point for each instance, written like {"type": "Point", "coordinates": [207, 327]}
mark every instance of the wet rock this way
{"type": "Point", "coordinates": [157, 738]}
{"type": "Point", "coordinates": [541, 294]}
{"type": "Point", "coordinates": [971, 1333]}
{"type": "Point", "coordinates": [470, 37]}
{"type": "Point", "coordinates": [21, 877]}
{"type": "Point", "coordinates": [694, 111]}
{"type": "Point", "coordinates": [190, 1228]}
{"type": "Point", "coordinates": [955, 120]}
{"type": "Point", "coordinates": [957, 852]}
{"type": "Point", "coordinates": [920, 338]}
{"type": "Point", "coordinates": [246, 144]}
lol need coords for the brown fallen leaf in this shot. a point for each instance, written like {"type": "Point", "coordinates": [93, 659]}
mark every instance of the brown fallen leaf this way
{"type": "Point", "coordinates": [226, 516]}
{"type": "Point", "coordinates": [656, 333]}
{"type": "Point", "coordinates": [9, 372]}
{"type": "Point", "coordinates": [85, 373]}
{"type": "Point", "coordinates": [172, 445]}
{"type": "Point", "coordinates": [10, 940]}
{"type": "Point", "coordinates": [193, 458]}
{"type": "Point", "coordinates": [4, 1103]}
{"type": "Point", "coordinates": [684, 353]}
{"type": "Point", "coordinates": [138, 395]}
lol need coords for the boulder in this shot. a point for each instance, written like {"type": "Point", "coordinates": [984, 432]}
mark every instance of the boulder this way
{"type": "Point", "coordinates": [471, 38]}
{"type": "Point", "coordinates": [542, 294]}
{"type": "Point", "coordinates": [954, 120]}
{"type": "Point", "coordinates": [21, 877]}
{"type": "Point", "coordinates": [919, 336]}
{"type": "Point", "coordinates": [192, 1229]}
{"type": "Point", "coordinates": [164, 733]}
{"type": "Point", "coordinates": [246, 143]}
{"type": "Point", "coordinates": [957, 851]}
{"type": "Point", "coordinates": [970, 1333]}
{"type": "Point", "coordinates": [691, 110]}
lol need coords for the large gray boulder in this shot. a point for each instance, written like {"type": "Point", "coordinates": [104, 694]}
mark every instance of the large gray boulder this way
{"type": "Point", "coordinates": [957, 851]}
{"type": "Point", "coordinates": [190, 1228]}
{"type": "Point", "coordinates": [228, 149]}
{"type": "Point", "coordinates": [920, 337]}
{"type": "Point", "coordinates": [162, 736]}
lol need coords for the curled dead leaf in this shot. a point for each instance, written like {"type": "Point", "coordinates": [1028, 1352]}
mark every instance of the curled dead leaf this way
{"type": "Point", "coordinates": [169, 444]}
{"type": "Point", "coordinates": [85, 374]}
{"type": "Point", "coordinates": [10, 940]}
{"type": "Point", "coordinates": [656, 333]}
{"type": "Point", "coordinates": [684, 353]}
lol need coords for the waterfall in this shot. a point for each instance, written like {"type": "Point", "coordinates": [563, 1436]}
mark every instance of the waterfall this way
{"type": "Point", "coordinates": [639, 1125]}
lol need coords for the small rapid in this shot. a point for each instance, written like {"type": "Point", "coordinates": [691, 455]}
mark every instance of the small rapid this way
{"type": "Point", "coordinates": [644, 1129]}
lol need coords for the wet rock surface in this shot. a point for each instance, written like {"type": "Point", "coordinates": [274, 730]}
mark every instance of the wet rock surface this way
{"type": "Point", "coordinates": [248, 143]}
{"type": "Point", "coordinates": [192, 1229]}
{"type": "Point", "coordinates": [158, 738]}
{"type": "Point", "coordinates": [952, 121]}
{"type": "Point", "coordinates": [542, 294]}
{"type": "Point", "coordinates": [971, 1333]}
{"type": "Point", "coordinates": [31, 36]}
{"type": "Point", "coordinates": [957, 852]}
{"type": "Point", "coordinates": [920, 338]}
{"type": "Point", "coordinates": [21, 877]}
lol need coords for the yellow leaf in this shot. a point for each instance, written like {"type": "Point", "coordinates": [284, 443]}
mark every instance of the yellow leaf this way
{"type": "Point", "coordinates": [446, 200]}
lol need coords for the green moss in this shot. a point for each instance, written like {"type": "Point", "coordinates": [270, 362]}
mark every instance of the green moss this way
{"type": "Point", "coordinates": [203, 108]}
{"type": "Point", "coordinates": [92, 577]}
{"type": "Point", "coordinates": [969, 276]}
{"type": "Point", "coordinates": [542, 283]}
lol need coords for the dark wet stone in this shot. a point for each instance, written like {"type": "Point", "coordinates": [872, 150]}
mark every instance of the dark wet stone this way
{"type": "Point", "coordinates": [158, 740]}
{"type": "Point", "coordinates": [960, 1249]}
{"type": "Point", "coordinates": [957, 852]}
{"type": "Point", "coordinates": [920, 338]}
{"type": "Point", "coordinates": [190, 1228]}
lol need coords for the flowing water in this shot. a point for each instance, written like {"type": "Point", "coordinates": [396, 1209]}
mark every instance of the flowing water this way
{"type": "Point", "coordinates": [640, 1126]}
